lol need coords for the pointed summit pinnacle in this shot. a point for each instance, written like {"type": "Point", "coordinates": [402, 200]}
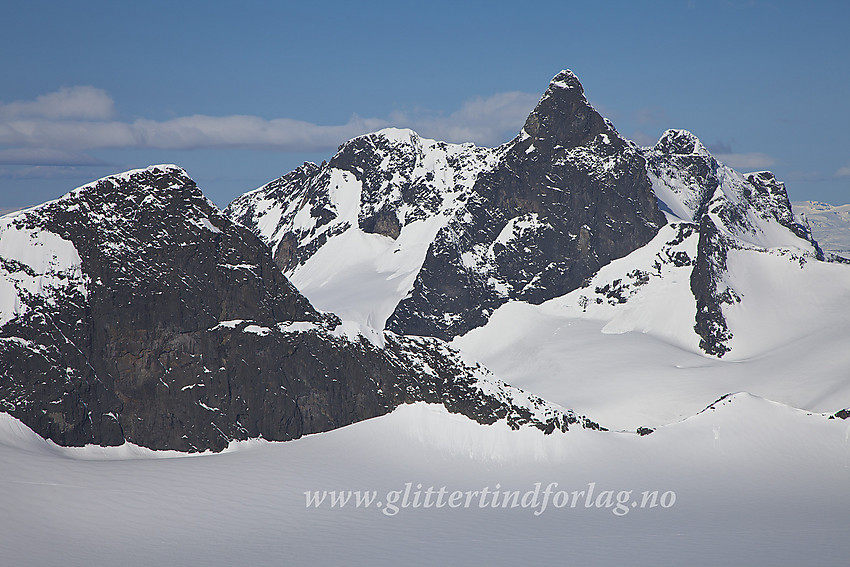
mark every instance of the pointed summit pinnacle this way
{"type": "Point", "coordinates": [566, 79]}
{"type": "Point", "coordinates": [563, 117]}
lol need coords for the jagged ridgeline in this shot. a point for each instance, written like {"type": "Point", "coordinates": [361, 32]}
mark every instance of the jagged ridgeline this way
{"type": "Point", "coordinates": [450, 232]}
{"type": "Point", "coordinates": [134, 310]}
{"type": "Point", "coordinates": [529, 220]}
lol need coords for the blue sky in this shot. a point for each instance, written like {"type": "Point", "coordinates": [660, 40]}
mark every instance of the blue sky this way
{"type": "Point", "coordinates": [241, 93]}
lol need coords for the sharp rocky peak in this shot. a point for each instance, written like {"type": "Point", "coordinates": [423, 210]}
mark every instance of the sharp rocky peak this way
{"type": "Point", "coordinates": [564, 117]}
{"type": "Point", "coordinates": [566, 79]}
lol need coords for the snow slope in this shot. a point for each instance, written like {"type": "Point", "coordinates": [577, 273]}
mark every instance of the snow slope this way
{"type": "Point", "coordinates": [755, 483]}
{"type": "Point", "coordinates": [623, 350]}
{"type": "Point", "coordinates": [361, 277]}
{"type": "Point", "coordinates": [636, 379]}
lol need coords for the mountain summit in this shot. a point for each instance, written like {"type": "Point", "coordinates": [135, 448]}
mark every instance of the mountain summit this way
{"type": "Point", "coordinates": [563, 116]}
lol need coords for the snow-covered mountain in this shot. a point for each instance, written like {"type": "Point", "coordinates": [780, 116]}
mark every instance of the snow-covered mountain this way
{"type": "Point", "coordinates": [132, 309]}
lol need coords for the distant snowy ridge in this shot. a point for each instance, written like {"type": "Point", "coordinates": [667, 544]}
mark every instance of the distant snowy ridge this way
{"type": "Point", "coordinates": [830, 224]}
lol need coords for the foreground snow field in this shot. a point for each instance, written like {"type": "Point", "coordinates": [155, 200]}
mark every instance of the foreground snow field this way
{"type": "Point", "coordinates": [755, 483]}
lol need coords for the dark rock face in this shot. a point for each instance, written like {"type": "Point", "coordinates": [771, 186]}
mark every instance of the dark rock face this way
{"type": "Point", "coordinates": [143, 357]}
{"type": "Point", "coordinates": [568, 196]}
{"type": "Point", "coordinates": [383, 222]}
{"type": "Point", "coordinates": [530, 220]}
{"type": "Point", "coordinates": [710, 291]}
{"type": "Point", "coordinates": [177, 331]}
{"type": "Point", "coordinates": [730, 211]}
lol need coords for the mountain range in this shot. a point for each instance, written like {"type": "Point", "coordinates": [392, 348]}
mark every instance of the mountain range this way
{"type": "Point", "coordinates": [403, 270]}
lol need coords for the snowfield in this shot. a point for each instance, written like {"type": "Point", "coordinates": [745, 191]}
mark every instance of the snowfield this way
{"type": "Point", "coordinates": [755, 483]}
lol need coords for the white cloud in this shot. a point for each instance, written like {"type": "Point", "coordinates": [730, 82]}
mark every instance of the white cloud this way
{"type": "Point", "coordinates": [56, 127]}
{"type": "Point", "coordinates": [843, 171]}
{"type": "Point", "coordinates": [189, 132]}
{"type": "Point", "coordinates": [746, 162]}
{"type": "Point", "coordinates": [285, 134]}
{"type": "Point", "coordinates": [80, 102]}
{"type": "Point", "coordinates": [482, 120]}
